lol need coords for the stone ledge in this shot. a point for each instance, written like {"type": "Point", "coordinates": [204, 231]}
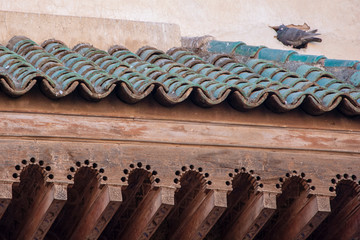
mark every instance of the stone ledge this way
{"type": "Point", "coordinates": [100, 32]}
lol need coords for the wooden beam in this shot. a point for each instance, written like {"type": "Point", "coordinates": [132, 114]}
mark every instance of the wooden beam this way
{"type": "Point", "coordinates": [148, 216]}
{"type": "Point", "coordinates": [35, 102]}
{"type": "Point", "coordinates": [48, 201]}
{"type": "Point", "coordinates": [44, 212]}
{"type": "Point", "coordinates": [301, 224]}
{"type": "Point", "coordinates": [218, 160]}
{"type": "Point", "coordinates": [99, 213]}
{"type": "Point", "coordinates": [343, 223]}
{"type": "Point", "coordinates": [201, 215]}
{"type": "Point", "coordinates": [350, 229]}
{"type": "Point", "coordinates": [83, 197]}
{"type": "Point", "coordinates": [139, 185]}
{"type": "Point", "coordinates": [157, 131]}
{"type": "Point", "coordinates": [257, 211]}
{"type": "Point", "coordinates": [5, 196]}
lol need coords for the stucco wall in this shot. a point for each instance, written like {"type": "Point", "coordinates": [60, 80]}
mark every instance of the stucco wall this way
{"type": "Point", "coordinates": [245, 20]}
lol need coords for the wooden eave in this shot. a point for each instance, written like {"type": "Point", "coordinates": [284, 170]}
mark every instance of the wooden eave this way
{"type": "Point", "coordinates": [167, 142]}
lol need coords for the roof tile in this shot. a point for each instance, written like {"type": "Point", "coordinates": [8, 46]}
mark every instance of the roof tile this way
{"type": "Point", "coordinates": [306, 58]}
{"type": "Point", "coordinates": [175, 75]}
{"type": "Point", "coordinates": [355, 79]}
{"type": "Point", "coordinates": [340, 63]}
{"type": "Point", "coordinates": [247, 50]}
{"type": "Point", "coordinates": [275, 54]}
{"type": "Point", "coordinates": [225, 47]}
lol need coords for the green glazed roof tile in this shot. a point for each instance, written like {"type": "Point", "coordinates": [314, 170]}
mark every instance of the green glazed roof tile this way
{"type": "Point", "coordinates": [225, 47]}
{"type": "Point", "coordinates": [247, 50]}
{"type": "Point", "coordinates": [340, 63]}
{"type": "Point", "coordinates": [259, 68]}
{"type": "Point", "coordinates": [304, 70]}
{"type": "Point", "coordinates": [253, 62]}
{"type": "Point", "coordinates": [314, 76]}
{"type": "Point", "coordinates": [355, 79]}
{"type": "Point", "coordinates": [270, 72]}
{"type": "Point", "coordinates": [178, 74]}
{"type": "Point", "coordinates": [94, 75]}
{"type": "Point", "coordinates": [275, 54]}
{"type": "Point", "coordinates": [355, 96]}
{"type": "Point", "coordinates": [306, 58]}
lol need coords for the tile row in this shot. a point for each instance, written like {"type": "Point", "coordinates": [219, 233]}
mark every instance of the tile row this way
{"type": "Point", "coordinates": [173, 77]}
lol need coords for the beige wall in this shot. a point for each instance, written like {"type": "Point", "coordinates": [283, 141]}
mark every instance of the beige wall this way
{"type": "Point", "coordinates": [245, 20]}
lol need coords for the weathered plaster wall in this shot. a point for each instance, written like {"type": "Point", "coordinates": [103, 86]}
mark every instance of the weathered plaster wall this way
{"type": "Point", "coordinates": [337, 20]}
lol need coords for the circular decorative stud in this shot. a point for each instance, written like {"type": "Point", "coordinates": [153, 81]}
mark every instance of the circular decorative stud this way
{"type": "Point", "coordinates": [139, 166]}
{"type": "Point", "coordinates": [345, 178]}
{"type": "Point", "coordinates": [32, 162]}
{"type": "Point", "coordinates": [184, 169]}
{"type": "Point", "coordinates": [295, 174]}
{"type": "Point", "coordinates": [254, 179]}
{"type": "Point", "coordinates": [86, 164]}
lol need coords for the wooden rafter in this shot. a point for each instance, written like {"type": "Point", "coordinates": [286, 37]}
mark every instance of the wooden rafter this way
{"type": "Point", "coordinates": [344, 221]}
{"type": "Point", "coordinates": [44, 212]}
{"type": "Point", "coordinates": [5, 197]}
{"type": "Point", "coordinates": [35, 203]}
{"type": "Point", "coordinates": [99, 214]}
{"type": "Point", "coordinates": [248, 208]}
{"type": "Point", "coordinates": [257, 211]}
{"type": "Point", "coordinates": [298, 211]}
{"type": "Point", "coordinates": [88, 201]}
{"type": "Point", "coordinates": [139, 186]}
{"type": "Point", "coordinates": [149, 214]}
{"type": "Point", "coordinates": [302, 223]}
{"type": "Point", "coordinates": [200, 215]}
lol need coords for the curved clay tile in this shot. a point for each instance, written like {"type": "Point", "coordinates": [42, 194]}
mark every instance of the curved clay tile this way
{"type": "Point", "coordinates": [173, 77]}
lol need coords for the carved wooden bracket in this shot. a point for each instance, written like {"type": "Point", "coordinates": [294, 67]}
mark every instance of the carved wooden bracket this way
{"type": "Point", "coordinates": [35, 202]}
{"type": "Point", "coordinates": [200, 215]}
{"type": "Point", "coordinates": [5, 196]}
{"type": "Point", "coordinates": [99, 214]}
{"type": "Point", "coordinates": [248, 209]}
{"type": "Point", "coordinates": [298, 211]}
{"type": "Point", "coordinates": [344, 220]}
{"type": "Point", "coordinates": [90, 204]}
{"type": "Point", "coordinates": [149, 214]}
{"type": "Point", "coordinates": [139, 197]}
